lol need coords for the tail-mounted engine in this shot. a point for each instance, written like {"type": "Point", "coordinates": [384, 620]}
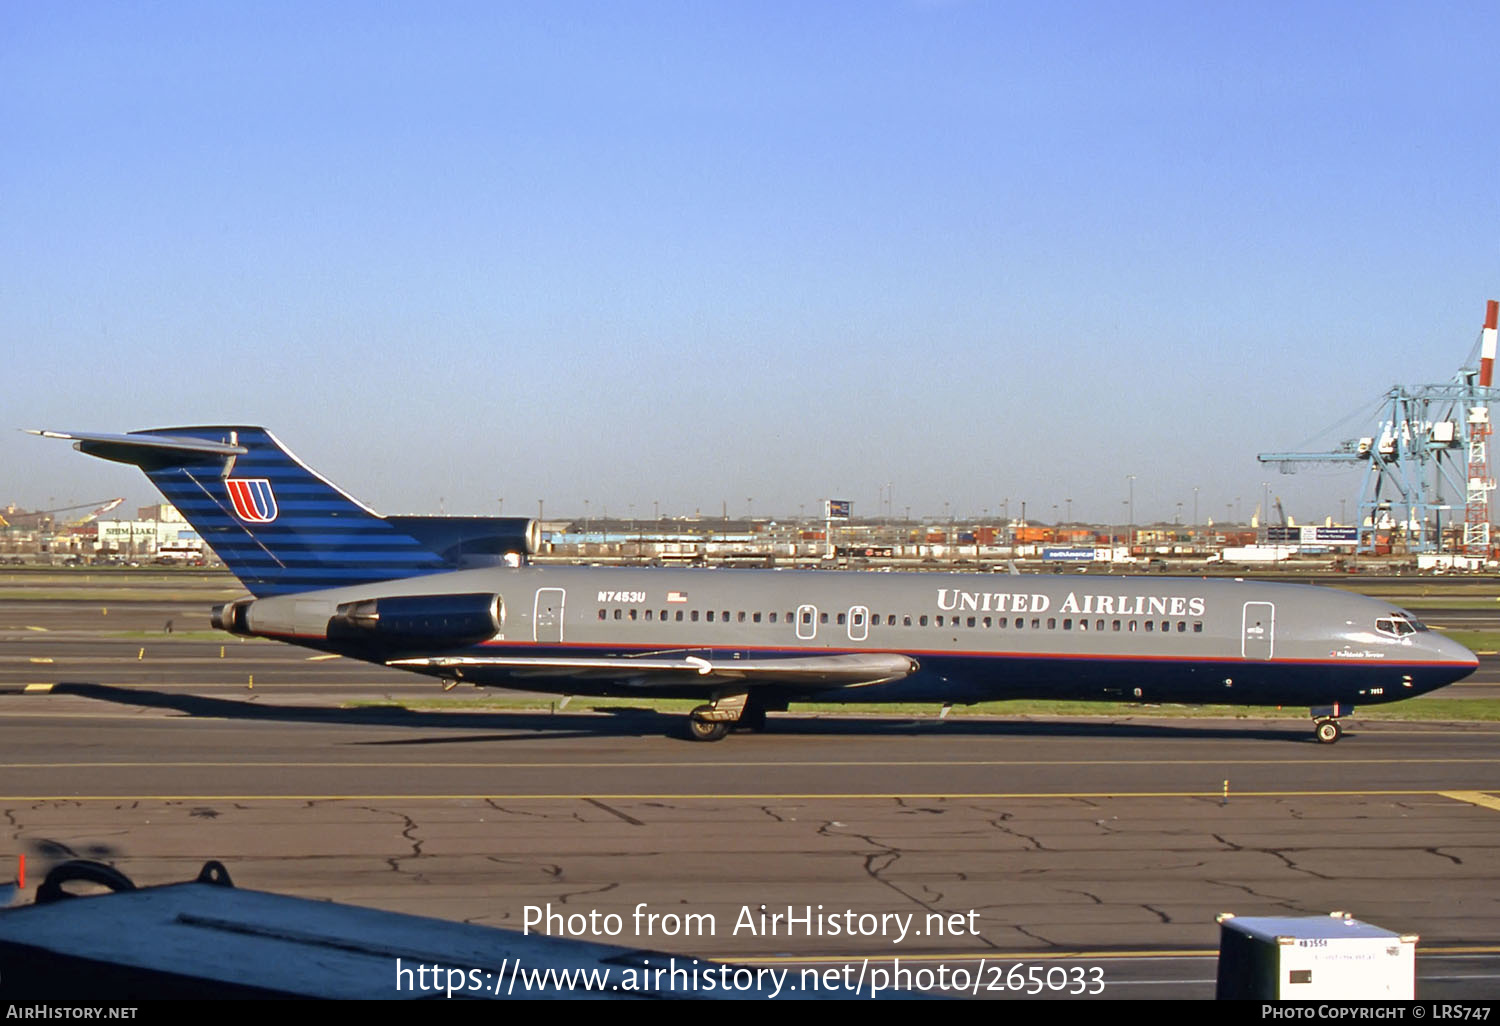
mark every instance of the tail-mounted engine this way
{"type": "Point", "coordinates": [422, 621]}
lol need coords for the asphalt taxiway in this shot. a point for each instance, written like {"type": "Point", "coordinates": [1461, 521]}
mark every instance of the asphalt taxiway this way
{"type": "Point", "coordinates": [1059, 843]}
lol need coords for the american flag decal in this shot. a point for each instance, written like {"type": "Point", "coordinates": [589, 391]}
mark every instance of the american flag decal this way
{"type": "Point", "coordinates": [254, 502]}
{"type": "Point", "coordinates": [676, 596]}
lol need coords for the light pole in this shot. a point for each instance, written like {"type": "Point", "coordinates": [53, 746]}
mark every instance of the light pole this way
{"type": "Point", "coordinates": [1130, 534]}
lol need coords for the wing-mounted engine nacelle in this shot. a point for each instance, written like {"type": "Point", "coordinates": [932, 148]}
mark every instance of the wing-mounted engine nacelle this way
{"type": "Point", "coordinates": [420, 621]}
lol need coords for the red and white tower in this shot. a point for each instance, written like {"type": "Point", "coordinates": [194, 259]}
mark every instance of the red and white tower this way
{"type": "Point", "coordinates": [1480, 484]}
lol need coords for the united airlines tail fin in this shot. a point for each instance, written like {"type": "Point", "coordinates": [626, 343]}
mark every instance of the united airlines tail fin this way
{"type": "Point", "coordinates": [280, 527]}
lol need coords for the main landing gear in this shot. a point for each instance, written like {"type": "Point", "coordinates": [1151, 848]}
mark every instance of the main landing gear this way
{"type": "Point", "coordinates": [1326, 726]}
{"type": "Point", "coordinates": [701, 728]}
{"type": "Point", "coordinates": [727, 712]}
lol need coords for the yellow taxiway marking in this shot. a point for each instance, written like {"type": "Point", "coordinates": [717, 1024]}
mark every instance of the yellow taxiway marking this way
{"type": "Point", "coordinates": [654, 764]}
{"type": "Point", "coordinates": [1489, 801]}
{"type": "Point", "coordinates": [29, 627]}
{"type": "Point", "coordinates": [40, 659]}
{"type": "Point", "coordinates": [38, 687]}
{"type": "Point", "coordinates": [725, 796]}
{"type": "Point", "coordinates": [320, 658]}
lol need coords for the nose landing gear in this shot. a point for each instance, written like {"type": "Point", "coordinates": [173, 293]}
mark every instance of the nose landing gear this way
{"type": "Point", "coordinates": [1326, 727]}
{"type": "Point", "coordinates": [1327, 731]}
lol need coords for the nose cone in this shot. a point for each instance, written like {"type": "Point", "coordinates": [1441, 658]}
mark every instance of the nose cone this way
{"type": "Point", "coordinates": [1456, 661]}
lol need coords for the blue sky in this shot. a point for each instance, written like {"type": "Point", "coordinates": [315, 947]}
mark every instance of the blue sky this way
{"type": "Point", "coordinates": [746, 253]}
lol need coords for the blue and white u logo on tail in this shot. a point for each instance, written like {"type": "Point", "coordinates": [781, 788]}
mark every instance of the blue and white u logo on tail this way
{"type": "Point", "coordinates": [253, 500]}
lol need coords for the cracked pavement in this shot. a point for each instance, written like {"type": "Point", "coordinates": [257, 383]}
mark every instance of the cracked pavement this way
{"type": "Point", "coordinates": [1043, 873]}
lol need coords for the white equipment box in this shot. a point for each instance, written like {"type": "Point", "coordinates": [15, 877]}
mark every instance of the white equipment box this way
{"type": "Point", "coordinates": [1306, 958]}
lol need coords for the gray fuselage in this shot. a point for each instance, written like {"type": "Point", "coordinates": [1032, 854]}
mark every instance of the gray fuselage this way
{"type": "Point", "coordinates": [973, 637]}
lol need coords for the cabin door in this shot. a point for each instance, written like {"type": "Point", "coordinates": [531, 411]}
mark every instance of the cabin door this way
{"type": "Point", "coordinates": [547, 615]}
{"type": "Point", "coordinates": [1259, 631]}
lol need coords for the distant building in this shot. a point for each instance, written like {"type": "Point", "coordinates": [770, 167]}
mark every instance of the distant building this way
{"type": "Point", "coordinates": [163, 511]}
{"type": "Point", "coordinates": [159, 531]}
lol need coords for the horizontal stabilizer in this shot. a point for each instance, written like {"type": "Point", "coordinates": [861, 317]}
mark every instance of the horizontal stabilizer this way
{"type": "Point", "coordinates": [147, 451]}
{"type": "Point", "coordinates": [831, 670]}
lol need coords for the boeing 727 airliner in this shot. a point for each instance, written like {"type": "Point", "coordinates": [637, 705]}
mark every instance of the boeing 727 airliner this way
{"type": "Point", "coordinates": [438, 595]}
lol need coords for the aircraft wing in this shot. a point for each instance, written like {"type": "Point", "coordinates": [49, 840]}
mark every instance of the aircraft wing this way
{"type": "Point", "coordinates": [850, 670]}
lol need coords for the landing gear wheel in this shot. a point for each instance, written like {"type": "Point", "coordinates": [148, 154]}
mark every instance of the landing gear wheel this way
{"type": "Point", "coordinates": [1328, 731]}
{"type": "Point", "coordinates": [700, 729]}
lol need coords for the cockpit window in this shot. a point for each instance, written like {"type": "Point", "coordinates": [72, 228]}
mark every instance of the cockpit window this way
{"type": "Point", "coordinates": [1398, 625]}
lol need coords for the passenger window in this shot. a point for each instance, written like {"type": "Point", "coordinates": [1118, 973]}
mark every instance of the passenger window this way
{"type": "Point", "coordinates": [1181, 626]}
{"type": "Point", "coordinates": [1132, 625]}
{"type": "Point", "coordinates": [773, 618]}
{"type": "Point", "coordinates": [1150, 625]}
{"type": "Point", "coordinates": [1117, 625]}
{"type": "Point", "coordinates": [822, 617]}
{"type": "Point", "coordinates": [1052, 623]}
{"type": "Point", "coordinates": [633, 614]}
{"type": "Point", "coordinates": [679, 616]}
{"type": "Point", "coordinates": [741, 617]}
{"type": "Point", "coordinates": [906, 620]}
{"type": "Point", "coordinates": [724, 616]}
{"type": "Point", "coordinates": [890, 620]}
{"type": "Point", "coordinates": [618, 614]}
{"type": "Point", "coordinates": [648, 613]}
{"type": "Point", "coordinates": [841, 619]}
{"type": "Point", "coordinates": [922, 620]}
{"type": "Point", "coordinates": [693, 616]}
{"type": "Point", "coordinates": [987, 622]}
{"type": "Point", "coordinates": [1067, 624]}
{"type": "Point", "coordinates": [807, 618]}
{"type": "Point", "coordinates": [755, 617]}
{"type": "Point", "coordinates": [1197, 626]}
{"type": "Point", "coordinates": [971, 621]}
{"type": "Point", "coordinates": [1036, 623]}
{"type": "Point", "coordinates": [602, 614]}
{"type": "Point", "coordinates": [1099, 625]}
{"type": "Point", "coordinates": [940, 620]}
{"type": "Point", "coordinates": [710, 616]}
